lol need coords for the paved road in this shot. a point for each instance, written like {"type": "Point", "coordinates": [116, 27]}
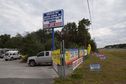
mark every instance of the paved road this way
{"type": "Point", "coordinates": [13, 71]}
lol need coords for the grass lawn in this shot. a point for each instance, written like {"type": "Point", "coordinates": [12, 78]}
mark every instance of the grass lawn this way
{"type": "Point", "coordinates": [113, 70]}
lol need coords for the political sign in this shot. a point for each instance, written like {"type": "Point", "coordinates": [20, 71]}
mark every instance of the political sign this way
{"type": "Point", "coordinates": [81, 52]}
{"type": "Point", "coordinates": [95, 67]}
{"type": "Point", "coordinates": [89, 49]}
{"type": "Point", "coordinates": [71, 55]}
{"type": "Point", "coordinates": [85, 52]}
{"type": "Point", "coordinates": [56, 56]}
{"type": "Point", "coordinates": [53, 19]}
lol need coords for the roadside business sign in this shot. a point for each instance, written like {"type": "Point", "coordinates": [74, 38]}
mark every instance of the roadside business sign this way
{"type": "Point", "coordinates": [53, 19]}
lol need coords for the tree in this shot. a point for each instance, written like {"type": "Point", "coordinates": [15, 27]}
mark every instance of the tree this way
{"type": "Point", "coordinates": [83, 34]}
{"type": "Point", "coordinates": [70, 34]}
{"type": "Point", "coordinates": [34, 42]}
{"type": "Point", "coordinates": [4, 40]}
{"type": "Point", "coordinates": [93, 45]}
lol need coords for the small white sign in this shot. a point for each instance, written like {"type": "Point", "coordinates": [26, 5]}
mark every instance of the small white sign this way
{"type": "Point", "coordinates": [94, 67]}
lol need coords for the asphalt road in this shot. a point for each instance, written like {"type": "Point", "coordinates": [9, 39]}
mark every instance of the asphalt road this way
{"type": "Point", "coordinates": [14, 72]}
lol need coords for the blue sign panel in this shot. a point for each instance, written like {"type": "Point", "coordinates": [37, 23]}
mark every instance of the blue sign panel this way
{"type": "Point", "coordinates": [53, 19]}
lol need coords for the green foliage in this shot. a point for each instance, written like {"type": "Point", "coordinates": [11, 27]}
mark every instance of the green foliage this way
{"type": "Point", "coordinates": [113, 70]}
{"type": "Point", "coordinates": [83, 34]}
{"type": "Point", "coordinates": [74, 37]}
{"type": "Point", "coordinates": [93, 45]}
{"type": "Point", "coordinates": [116, 46]}
{"type": "Point", "coordinates": [4, 40]}
{"type": "Point", "coordinates": [24, 58]}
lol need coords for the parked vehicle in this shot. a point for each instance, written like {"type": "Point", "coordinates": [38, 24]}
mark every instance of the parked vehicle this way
{"type": "Point", "coordinates": [11, 55]}
{"type": "Point", "coordinates": [3, 51]}
{"type": "Point", "coordinates": [43, 57]}
{"type": "Point", "coordinates": [2, 55]}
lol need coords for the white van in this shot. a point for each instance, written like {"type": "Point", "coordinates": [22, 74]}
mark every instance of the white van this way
{"type": "Point", "coordinates": [11, 55]}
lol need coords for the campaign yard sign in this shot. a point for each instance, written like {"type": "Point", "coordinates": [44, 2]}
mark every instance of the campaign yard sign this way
{"type": "Point", "coordinates": [71, 55]}
{"type": "Point", "coordinates": [56, 59]}
{"type": "Point", "coordinates": [56, 56]}
{"type": "Point", "coordinates": [95, 67]}
{"type": "Point", "coordinates": [53, 19]}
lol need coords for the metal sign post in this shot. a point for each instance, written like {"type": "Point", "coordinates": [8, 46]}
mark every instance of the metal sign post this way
{"type": "Point", "coordinates": [53, 43]}
{"type": "Point", "coordinates": [51, 20]}
{"type": "Point", "coordinates": [63, 65]}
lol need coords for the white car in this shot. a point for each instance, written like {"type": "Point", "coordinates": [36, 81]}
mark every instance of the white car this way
{"type": "Point", "coordinates": [43, 57]}
{"type": "Point", "coordinates": [11, 55]}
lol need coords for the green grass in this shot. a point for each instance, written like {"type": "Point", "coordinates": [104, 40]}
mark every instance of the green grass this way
{"type": "Point", "coordinates": [113, 70]}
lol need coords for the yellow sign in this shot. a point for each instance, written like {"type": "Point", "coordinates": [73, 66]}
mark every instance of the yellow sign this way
{"type": "Point", "coordinates": [81, 52]}
{"type": "Point", "coordinates": [89, 49]}
{"type": "Point", "coordinates": [71, 55]}
{"type": "Point", "coordinates": [56, 56]}
{"type": "Point", "coordinates": [67, 56]}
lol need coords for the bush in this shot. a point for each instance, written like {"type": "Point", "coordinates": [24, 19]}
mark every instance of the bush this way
{"type": "Point", "coordinates": [24, 58]}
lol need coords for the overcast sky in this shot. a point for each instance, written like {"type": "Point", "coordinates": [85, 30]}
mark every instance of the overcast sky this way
{"type": "Point", "coordinates": [108, 17]}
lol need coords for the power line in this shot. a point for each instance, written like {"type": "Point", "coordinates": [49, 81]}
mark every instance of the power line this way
{"type": "Point", "coordinates": [90, 17]}
{"type": "Point", "coordinates": [89, 10]}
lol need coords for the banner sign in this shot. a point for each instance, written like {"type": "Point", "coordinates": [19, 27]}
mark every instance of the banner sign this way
{"type": "Point", "coordinates": [101, 56]}
{"type": "Point", "coordinates": [71, 55]}
{"type": "Point", "coordinates": [81, 52]}
{"type": "Point", "coordinates": [53, 19]}
{"type": "Point", "coordinates": [56, 56]}
{"type": "Point", "coordinates": [89, 49]}
{"type": "Point", "coordinates": [77, 62]}
{"type": "Point", "coordinates": [85, 52]}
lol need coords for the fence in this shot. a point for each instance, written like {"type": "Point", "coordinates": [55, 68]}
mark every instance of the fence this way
{"type": "Point", "coordinates": [65, 63]}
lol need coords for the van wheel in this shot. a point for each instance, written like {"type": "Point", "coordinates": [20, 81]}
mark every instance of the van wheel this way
{"type": "Point", "coordinates": [11, 58]}
{"type": "Point", "coordinates": [51, 63]}
{"type": "Point", "coordinates": [32, 63]}
{"type": "Point", "coordinates": [6, 59]}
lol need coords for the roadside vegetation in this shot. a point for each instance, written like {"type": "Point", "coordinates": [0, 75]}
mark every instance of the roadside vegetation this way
{"type": "Point", "coordinates": [32, 43]}
{"type": "Point", "coordinates": [113, 70]}
{"type": "Point", "coordinates": [116, 46]}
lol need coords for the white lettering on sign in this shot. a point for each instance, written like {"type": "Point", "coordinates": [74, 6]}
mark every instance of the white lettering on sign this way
{"type": "Point", "coordinates": [53, 19]}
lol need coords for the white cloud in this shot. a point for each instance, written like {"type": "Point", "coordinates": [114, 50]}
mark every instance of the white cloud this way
{"type": "Point", "coordinates": [109, 17]}
{"type": "Point", "coordinates": [16, 20]}
{"type": "Point", "coordinates": [101, 32]}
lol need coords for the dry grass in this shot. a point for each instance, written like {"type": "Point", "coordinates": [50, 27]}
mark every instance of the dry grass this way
{"type": "Point", "coordinates": [113, 70]}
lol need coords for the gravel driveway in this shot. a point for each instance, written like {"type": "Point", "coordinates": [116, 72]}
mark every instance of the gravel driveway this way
{"type": "Point", "coordinates": [10, 70]}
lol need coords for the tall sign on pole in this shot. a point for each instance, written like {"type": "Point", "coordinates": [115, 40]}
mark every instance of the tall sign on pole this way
{"type": "Point", "coordinates": [53, 19]}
